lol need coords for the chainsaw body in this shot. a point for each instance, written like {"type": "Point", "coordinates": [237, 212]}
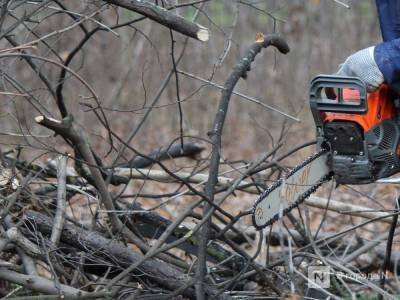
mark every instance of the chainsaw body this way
{"type": "Point", "coordinates": [358, 136]}
{"type": "Point", "coordinates": [360, 130]}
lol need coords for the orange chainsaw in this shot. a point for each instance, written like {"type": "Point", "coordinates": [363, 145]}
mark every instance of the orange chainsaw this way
{"type": "Point", "coordinates": [358, 138]}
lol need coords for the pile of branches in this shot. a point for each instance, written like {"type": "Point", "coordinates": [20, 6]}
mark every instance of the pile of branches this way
{"type": "Point", "coordinates": [98, 260]}
{"type": "Point", "coordinates": [125, 251]}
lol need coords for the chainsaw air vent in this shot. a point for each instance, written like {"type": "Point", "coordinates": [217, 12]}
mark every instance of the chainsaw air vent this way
{"type": "Point", "coordinates": [386, 144]}
{"type": "Point", "coordinates": [384, 157]}
{"type": "Point", "coordinates": [387, 138]}
{"type": "Point", "coordinates": [377, 131]}
{"type": "Point", "coordinates": [382, 145]}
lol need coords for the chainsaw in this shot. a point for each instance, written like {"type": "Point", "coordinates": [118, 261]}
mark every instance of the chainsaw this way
{"type": "Point", "coordinates": [358, 138]}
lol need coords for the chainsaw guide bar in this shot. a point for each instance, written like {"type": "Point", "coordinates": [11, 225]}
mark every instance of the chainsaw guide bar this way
{"type": "Point", "coordinates": [290, 191]}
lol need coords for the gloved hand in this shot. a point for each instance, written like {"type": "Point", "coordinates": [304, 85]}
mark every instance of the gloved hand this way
{"type": "Point", "coordinates": [362, 65]}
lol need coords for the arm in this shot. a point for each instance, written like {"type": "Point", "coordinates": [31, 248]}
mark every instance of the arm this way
{"type": "Point", "coordinates": [387, 57]}
{"type": "Point", "coordinates": [387, 54]}
{"type": "Point", "coordinates": [389, 18]}
{"type": "Point", "coordinates": [379, 63]}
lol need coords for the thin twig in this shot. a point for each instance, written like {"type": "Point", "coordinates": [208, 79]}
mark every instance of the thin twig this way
{"type": "Point", "coordinates": [389, 245]}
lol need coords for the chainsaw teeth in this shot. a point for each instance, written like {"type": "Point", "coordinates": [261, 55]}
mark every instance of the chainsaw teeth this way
{"type": "Point", "coordinates": [281, 181]}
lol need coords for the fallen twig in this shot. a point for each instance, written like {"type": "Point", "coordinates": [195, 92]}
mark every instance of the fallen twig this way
{"type": "Point", "coordinates": [61, 202]}
{"type": "Point", "coordinates": [39, 284]}
{"type": "Point", "coordinates": [347, 209]}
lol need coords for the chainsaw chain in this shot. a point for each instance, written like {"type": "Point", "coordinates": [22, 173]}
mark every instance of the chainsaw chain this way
{"type": "Point", "coordinates": [300, 199]}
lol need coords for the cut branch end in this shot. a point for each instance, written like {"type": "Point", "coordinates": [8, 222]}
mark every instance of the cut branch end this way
{"type": "Point", "coordinates": [39, 119]}
{"type": "Point", "coordinates": [203, 34]}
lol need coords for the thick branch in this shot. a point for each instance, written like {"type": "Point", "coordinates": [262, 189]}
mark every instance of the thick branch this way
{"type": "Point", "coordinates": [175, 151]}
{"type": "Point", "coordinates": [160, 175]}
{"type": "Point", "coordinates": [240, 70]}
{"type": "Point", "coordinates": [164, 17]}
{"type": "Point", "coordinates": [153, 225]}
{"type": "Point", "coordinates": [66, 129]}
{"type": "Point", "coordinates": [155, 270]}
{"type": "Point", "coordinates": [38, 284]}
{"type": "Point", "coordinates": [348, 209]}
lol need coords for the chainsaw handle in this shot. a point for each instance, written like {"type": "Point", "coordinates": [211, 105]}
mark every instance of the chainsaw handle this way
{"type": "Point", "coordinates": [323, 88]}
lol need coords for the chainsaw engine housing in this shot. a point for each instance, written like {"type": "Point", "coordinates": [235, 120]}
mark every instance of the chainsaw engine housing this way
{"type": "Point", "coordinates": [361, 131]}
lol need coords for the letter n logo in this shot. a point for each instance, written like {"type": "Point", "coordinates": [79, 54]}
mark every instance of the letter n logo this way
{"type": "Point", "coordinates": [319, 277]}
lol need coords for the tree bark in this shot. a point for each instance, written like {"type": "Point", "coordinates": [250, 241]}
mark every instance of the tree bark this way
{"type": "Point", "coordinates": [165, 17]}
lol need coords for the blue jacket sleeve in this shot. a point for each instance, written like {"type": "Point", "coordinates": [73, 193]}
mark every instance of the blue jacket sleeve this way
{"type": "Point", "coordinates": [389, 18]}
{"type": "Point", "coordinates": [387, 54]}
{"type": "Point", "coordinates": [387, 57]}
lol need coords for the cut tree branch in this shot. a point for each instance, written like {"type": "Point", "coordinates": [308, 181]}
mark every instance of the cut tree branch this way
{"type": "Point", "coordinates": [175, 151]}
{"type": "Point", "coordinates": [39, 284]}
{"type": "Point", "coordinates": [160, 175]}
{"type": "Point", "coordinates": [164, 17]}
